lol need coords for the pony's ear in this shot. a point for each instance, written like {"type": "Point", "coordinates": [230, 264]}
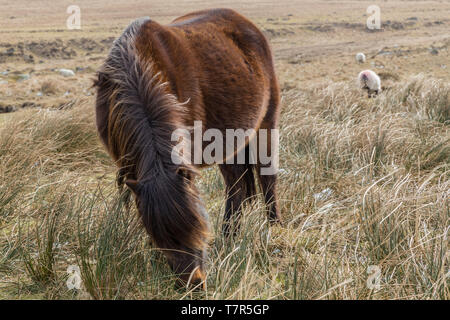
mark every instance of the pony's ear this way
{"type": "Point", "coordinates": [185, 172]}
{"type": "Point", "coordinates": [134, 185]}
{"type": "Point", "coordinates": [100, 80]}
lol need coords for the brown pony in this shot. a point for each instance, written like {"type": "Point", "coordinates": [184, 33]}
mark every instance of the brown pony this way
{"type": "Point", "coordinates": [212, 66]}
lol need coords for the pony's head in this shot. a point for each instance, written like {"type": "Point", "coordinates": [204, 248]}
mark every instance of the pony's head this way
{"type": "Point", "coordinates": [175, 217]}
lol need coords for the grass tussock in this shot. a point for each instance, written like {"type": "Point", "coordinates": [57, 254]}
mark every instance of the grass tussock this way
{"type": "Point", "coordinates": [49, 87]}
{"type": "Point", "coordinates": [364, 184]}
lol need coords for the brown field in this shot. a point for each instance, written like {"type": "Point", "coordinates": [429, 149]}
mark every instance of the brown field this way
{"type": "Point", "coordinates": [384, 162]}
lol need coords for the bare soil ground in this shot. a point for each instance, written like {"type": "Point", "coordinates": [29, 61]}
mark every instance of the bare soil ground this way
{"type": "Point", "coordinates": [313, 41]}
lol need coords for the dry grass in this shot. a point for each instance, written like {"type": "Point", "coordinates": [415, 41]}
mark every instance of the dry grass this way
{"type": "Point", "coordinates": [49, 87]}
{"type": "Point", "coordinates": [385, 162]}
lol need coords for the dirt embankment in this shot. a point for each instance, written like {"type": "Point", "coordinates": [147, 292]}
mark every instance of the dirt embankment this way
{"type": "Point", "coordinates": [282, 27]}
{"type": "Point", "coordinates": [36, 51]}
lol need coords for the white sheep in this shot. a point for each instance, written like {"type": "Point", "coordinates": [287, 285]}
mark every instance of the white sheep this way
{"type": "Point", "coordinates": [370, 81]}
{"type": "Point", "coordinates": [360, 57]}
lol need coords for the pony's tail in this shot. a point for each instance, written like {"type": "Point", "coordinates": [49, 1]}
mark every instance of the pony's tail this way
{"type": "Point", "coordinates": [249, 179]}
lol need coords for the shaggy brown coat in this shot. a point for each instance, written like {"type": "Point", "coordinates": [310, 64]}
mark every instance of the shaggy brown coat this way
{"type": "Point", "coordinates": [212, 66]}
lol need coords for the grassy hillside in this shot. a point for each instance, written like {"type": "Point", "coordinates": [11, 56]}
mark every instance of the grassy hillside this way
{"type": "Point", "coordinates": [363, 183]}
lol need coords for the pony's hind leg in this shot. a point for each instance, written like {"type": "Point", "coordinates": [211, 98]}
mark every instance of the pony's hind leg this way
{"type": "Point", "coordinates": [240, 185]}
{"type": "Point", "coordinates": [268, 178]}
{"type": "Point", "coordinates": [268, 187]}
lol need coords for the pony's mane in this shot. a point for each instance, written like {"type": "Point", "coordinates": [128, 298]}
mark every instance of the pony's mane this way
{"type": "Point", "coordinates": [142, 114]}
{"type": "Point", "coordinates": [141, 118]}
